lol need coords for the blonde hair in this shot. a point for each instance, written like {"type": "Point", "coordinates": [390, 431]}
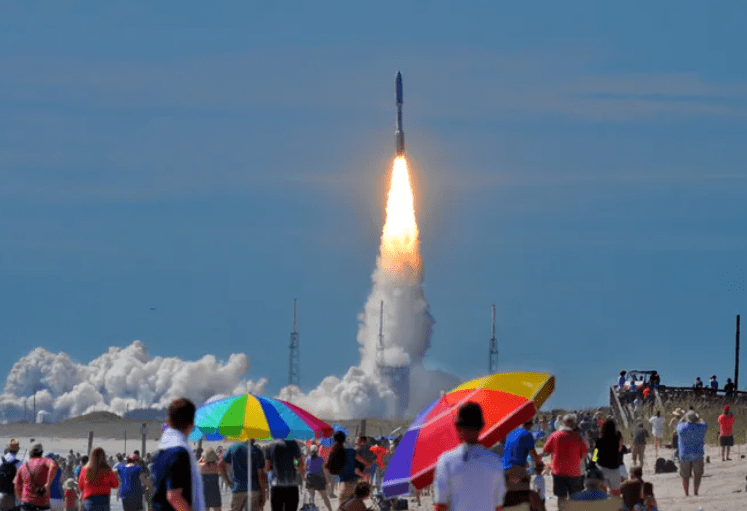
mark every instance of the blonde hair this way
{"type": "Point", "coordinates": [96, 465]}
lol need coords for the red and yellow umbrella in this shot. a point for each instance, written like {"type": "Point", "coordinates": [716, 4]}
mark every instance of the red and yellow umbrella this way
{"type": "Point", "coordinates": [507, 401]}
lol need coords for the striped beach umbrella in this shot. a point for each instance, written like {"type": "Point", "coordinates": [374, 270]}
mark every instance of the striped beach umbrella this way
{"type": "Point", "coordinates": [507, 401]}
{"type": "Point", "coordinates": [262, 418]}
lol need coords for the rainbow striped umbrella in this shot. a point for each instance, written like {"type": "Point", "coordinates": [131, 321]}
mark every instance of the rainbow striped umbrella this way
{"type": "Point", "coordinates": [262, 418]}
{"type": "Point", "coordinates": [507, 400]}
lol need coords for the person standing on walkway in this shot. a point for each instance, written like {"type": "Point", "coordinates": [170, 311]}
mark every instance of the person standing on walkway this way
{"type": "Point", "coordinates": [469, 477]}
{"type": "Point", "coordinates": [640, 434]}
{"type": "Point", "coordinates": [726, 436]}
{"type": "Point", "coordinates": [657, 430]}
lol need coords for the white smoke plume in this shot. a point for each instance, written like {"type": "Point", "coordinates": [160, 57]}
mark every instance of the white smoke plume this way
{"type": "Point", "coordinates": [391, 379]}
{"type": "Point", "coordinates": [119, 380]}
{"type": "Point", "coordinates": [406, 333]}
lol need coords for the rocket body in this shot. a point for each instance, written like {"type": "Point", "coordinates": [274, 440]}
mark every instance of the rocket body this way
{"type": "Point", "coordinates": [399, 134]}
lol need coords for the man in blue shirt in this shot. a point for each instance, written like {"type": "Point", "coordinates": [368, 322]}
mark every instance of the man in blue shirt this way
{"type": "Point", "coordinates": [594, 484]}
{"type": "Point", "coordinates": [518, 445]}
{"type": "Point", "coordinates": [236, 456]}
{"type": "Point", "coordinates": [691, 437]}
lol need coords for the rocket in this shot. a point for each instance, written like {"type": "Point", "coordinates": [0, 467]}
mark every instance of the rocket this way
{"type": "Point", "coordinates": [399, 135]}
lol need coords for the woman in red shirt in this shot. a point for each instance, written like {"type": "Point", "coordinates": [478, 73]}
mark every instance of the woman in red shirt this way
{"type": "Point", "coordinates": [96, 482]}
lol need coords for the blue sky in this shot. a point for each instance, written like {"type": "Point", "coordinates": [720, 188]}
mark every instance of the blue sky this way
{"type": "Point", "coordinates": [581, 165]}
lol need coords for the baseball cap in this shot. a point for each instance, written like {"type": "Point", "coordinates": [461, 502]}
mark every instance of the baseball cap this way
{"type": "Point", "coordinates": [726, 408]}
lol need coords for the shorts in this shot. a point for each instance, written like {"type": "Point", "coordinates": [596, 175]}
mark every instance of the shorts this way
{"type": "Point", "coordinates": [638, 450]}
{"type": "Point", "coordinates": [238, 501]}
{"type": "Point", "coordinates": [688, 468]}
{"type": "Point", "coordinates": [726, 441]}
{"type": "Point", "coordinates": [316, 482]}
{"type": "Point", "coordinates": [564, 486]}
{"type": "Point", "coordinates": [611, 477]}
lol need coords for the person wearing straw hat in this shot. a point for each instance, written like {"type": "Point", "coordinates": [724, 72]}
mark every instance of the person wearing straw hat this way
{"type": "Point", "coordinates": [211, 479]}
{"type": "Point", "coordinates": [691, 431]}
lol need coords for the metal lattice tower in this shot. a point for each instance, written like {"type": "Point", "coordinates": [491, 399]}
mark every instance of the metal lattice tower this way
{"type": "Point", "coordinates": [493, 363]}
{"type": "Point", "coordinates": [294, 364]}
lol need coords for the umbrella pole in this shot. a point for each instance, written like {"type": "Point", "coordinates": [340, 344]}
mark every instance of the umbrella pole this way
{"type": "Point", "coordinates": [249, 475]}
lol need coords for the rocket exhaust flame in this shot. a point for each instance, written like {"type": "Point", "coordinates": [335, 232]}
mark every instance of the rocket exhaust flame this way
{"type": "Point", "coordinates": [400, 251]}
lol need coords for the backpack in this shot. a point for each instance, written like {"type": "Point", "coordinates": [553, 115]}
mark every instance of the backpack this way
{"type": "Point", "coordinates": [336, 460]}
{"type": "Point", "coordinates": [7, 474]}
{"type": "Point", "coordinates": [670, 467]}
{"type": "Point", "coordinates": [660, 465]}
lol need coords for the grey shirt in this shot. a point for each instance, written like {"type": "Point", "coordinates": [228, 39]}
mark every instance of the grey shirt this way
{"type": "Point", "coordinates": [639, 436]}
{"type": "Point", "coordinates": [282, 455]}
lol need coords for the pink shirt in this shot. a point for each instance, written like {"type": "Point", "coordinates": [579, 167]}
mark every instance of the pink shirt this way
{"type": "Point", "coordinates": [726, 423]}
{"type": "Point", "coordinates": [39, 473]}
{"type": "Point", "coordinates": [567, 449]}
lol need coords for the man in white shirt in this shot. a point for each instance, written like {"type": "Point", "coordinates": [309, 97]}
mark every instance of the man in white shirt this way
{"type": "Point", "coordinates": [657, 430]}
{"type": "Point", "coordinates": [469, 477]}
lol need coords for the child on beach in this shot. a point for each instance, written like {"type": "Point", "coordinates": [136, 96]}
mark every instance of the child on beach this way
{"type": "Point", "coordinates": [70, 496]}
{"type": "Point", "coordinates": [649, 502]}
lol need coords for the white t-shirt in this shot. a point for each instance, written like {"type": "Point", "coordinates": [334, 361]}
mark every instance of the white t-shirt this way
{"type": "Point", "coordinates": [476, 484]}
{"type": "Point", "coordinates": [657, 426]}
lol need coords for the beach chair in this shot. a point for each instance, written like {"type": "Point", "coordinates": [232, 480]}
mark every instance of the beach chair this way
{"type": "Point", "coordinates": [611, 504]}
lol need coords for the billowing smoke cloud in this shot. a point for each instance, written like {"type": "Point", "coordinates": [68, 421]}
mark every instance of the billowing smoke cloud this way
{"type": "Point", "coordinates": [119, 380]}
{"type": "Point", "coordinates": [391, 379]}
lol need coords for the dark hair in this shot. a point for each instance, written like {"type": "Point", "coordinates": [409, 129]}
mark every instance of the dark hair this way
{"type": "Point", "coordinates": [83, 460]}
{"type": "Point", "coordinates": [648, 489]}
{"type": "Point", "coordinates": [637, 472]}
{"type": "Point", "coordinates": [363, 438]}
{"type": "Point", "coordinates": [608, 429]}
{"type": "Point", "coordinates": [362, 490]}
{"type": "Point", "coordinates": [181, 414]}
{"type": "Point", "coordinates": [339, 437]}
{"type": "Point", "coordinates": [336, 459]}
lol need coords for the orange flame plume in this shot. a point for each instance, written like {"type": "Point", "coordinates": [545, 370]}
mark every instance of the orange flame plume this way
{"type": "Point", "coordinates": [400, 246]}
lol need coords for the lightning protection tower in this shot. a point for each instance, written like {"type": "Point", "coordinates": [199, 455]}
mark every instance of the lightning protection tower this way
{"type": "Point", "coordinates": [294, 364]}
{"type": "Point", "coordinates": [493, 363]}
